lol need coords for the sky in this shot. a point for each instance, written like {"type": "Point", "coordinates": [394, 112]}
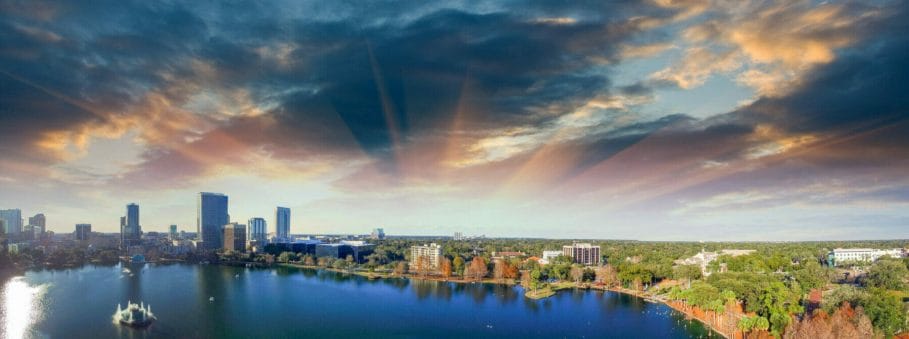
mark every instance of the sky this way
{"type": "Point", "coordinates": [652, 120]}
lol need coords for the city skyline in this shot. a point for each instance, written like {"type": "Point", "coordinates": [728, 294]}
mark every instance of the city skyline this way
{"type": "Point", "coordinates": [652, 120]}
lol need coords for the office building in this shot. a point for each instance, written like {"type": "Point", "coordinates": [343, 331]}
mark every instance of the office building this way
{"type": "Point", "coordinates": [582, 253]}
{"type": "Point", "coordinates": [172, 232]}
{"type": "Point", "coordinates": [83, 232]}
{"type": "Point", "coordinates": [282, 223]}
{"type": "Point", "coordinates": [130, 231]}
{"type": "Point", "coordinates": [432, 253]}
{"type": "Point", "coordinates": [299, 246]}
{"type": "Point", "coordinates": [847, 255]}
{"type": "Point", "coordinates": [377, 234]}
{"type": "Point", "coordinates": [234, 237]}
{"type": "Point", "coordinates": [257, 231]}
{"type": "Point", "coordinates": [13, 218]}
{"type": "Point", "coordinates": [39, 224]}
{"type": "Point", "coordinates": [211, 217]}
{"type": "Point", "coordinates": [458, 236]}
{"type": "Point", "coordinates": [356, 249]}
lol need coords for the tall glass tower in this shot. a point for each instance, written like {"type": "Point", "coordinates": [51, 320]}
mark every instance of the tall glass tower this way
{"type": "Point", "coordinates": [210, 219]}
{"type": "Point", "coordinates": [282, 223]}
{"type": "Point", "coordinates": [256, 231]}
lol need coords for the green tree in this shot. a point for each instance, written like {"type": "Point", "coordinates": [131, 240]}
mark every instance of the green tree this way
{"type": "Point", "coordinates": [811, 275]}
{"type": "Point", "coordinates": [285, 257]}
{"type": "Point", "coordinates": [889, 274]}
{"type": "Point", "coordinates": [458, 264]}
{"type": "Point", "coordinates": [886, 312]}
{"type": "Point", "coordinates": [687, 273]}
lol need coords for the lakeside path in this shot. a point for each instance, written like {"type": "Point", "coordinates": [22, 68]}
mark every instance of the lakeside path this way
{"type": "Point", "coordinates": [545, 293]}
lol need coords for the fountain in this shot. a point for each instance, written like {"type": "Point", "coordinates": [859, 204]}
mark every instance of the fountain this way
{"type": "Point", "coordinates": [135, 315]}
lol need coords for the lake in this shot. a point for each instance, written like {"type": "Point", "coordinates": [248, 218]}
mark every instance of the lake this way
{"type": "Point", "coordinates": [290, 302]}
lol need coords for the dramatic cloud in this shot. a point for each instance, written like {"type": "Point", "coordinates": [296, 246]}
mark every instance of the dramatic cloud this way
{"type": "Point", "coordinates": [498, 115]}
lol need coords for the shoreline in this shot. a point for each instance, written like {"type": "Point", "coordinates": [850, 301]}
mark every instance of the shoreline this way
{"type": "Point", "coordinates": [377, 275]}
{"type": "Point", "coordinates": [551, 292]}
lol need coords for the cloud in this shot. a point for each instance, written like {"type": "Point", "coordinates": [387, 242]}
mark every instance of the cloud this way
{"type": "Point", "coordinates": [768, 46]}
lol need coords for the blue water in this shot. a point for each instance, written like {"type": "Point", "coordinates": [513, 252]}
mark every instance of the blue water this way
{"type": "Point", "coordinates": [289, 302]}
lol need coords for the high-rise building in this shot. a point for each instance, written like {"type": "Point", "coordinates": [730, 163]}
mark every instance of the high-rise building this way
{"type": "Point", "coordinates": [430, 254]}
{"type": "Point", "coordinates": [83, 232]}
{"type": "Point", "coordinates": [458, 236]}
{"type": "Point", "coordinates": [39, 224]}
{"type": "Point", "coordinates": [130, 230]}
{"type": "Point", "coordinates": [210, 219]}
{"type": "Point", "coordinates": [234, 237]}
{"type": "Point", "coordinates": [377, 234]}
{"type": "Point", "coordinates": [13, 219]}
{"type": "Point", "coordinates": [282, 223]}
{"type": "Point", "coordinates": [582, 253]}
{"type": "Point", "coordinates": [257, 231]}
{"type": "Point", "coordinates": [172, 232]}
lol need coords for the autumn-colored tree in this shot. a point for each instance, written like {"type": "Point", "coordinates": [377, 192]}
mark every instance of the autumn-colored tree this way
{"type": "Point", "coordinates": [511, 271]}
{"type": "Point", "coordinates": [607, 275]}
{"type": "Point", "coordinates": [477, 269]}
{"type": "Point", "coordinates": [422, 266]}
{"type": "Point", "coordinates": [400, 268]}
{"type": "Point", "coordinates": [308, 260]}
{"type": "Point", "coordinates": [445, 268]}
{"type": "Point", "coordinates": [498, 269]}
{"type": "Point", "coordinates": [846, 322]}
{"type": "Point", "coordinates": [577, 273]}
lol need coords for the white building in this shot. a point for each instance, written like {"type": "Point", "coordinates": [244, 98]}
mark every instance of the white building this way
{"type": "Point", "coordinates": [842, 255]}
{"type": "Point", "coordinates": [548, 256]}
{"type": "Point", "coordinates": [433, 252]}
{"type": "Point", "coordinates": [703, 258]}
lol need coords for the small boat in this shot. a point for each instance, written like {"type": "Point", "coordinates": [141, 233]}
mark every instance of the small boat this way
{"type": "Point", "coordinates": [211, 299]}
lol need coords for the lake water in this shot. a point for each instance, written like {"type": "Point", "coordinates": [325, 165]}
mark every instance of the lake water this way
{"type": "Point", "coordinates": [289, 302]}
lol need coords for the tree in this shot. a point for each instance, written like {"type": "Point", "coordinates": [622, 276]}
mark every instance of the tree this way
{"type": "Point", "coordinates": [422, 266]}
{"type": "Point", "coordinates": [478, 268]}
{"type": "Point", "coordinates": [285, 257]}
{"type": "Point", "coordinates": [458, 264]}
{"type": "Point", "coordinates": [498, 269]}
{"type": "Point", "coordinates": [885, 311]}
{"type": "Point", "coordinates": [535, 280]}
{"type": "Point", "coordinates": [577, 273]}
{"type": "Point", "coordinates": [400, 268]}
{"type": "Point", "coordinates": [607, 275]}
{"type": "Point", "coordinates": [445, 268]}
{"type": "Point", "coordinates": [687, 272]}
{"type": "Point", "coordinates": [812, 275]}
{"type": "Point", "coordinates": [889, 274]}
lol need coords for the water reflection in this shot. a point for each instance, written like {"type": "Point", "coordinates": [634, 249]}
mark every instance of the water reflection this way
{"type": "Point", "coordinates": [21, 307]}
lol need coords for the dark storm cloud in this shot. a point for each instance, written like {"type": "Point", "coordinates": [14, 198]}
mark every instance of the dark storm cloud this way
{"type": "Point", "coordinates": [387, 70]}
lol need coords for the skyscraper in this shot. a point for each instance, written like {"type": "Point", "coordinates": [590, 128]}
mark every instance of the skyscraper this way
{"type": "Point", "coordinates": [377, 234]}
{"type": "Point", "coordinates": [39, 223]}
{"type": "Point", "coordinates": [173, 232]}
{"type": "Point", "coordinates": [210, 218]}
{"type": "Point", "coordinates": [130, 230]}
{"type": "Point", "coordinates": [83, 231]}
{"type": "Point", "coordinates": [257, 230]}
{"type": "Point", "coordinates": [13, 219]}
{"type": "Point", "coordinates": [282, 223]}
{"type": "Point", "coordinates": [234, 237]}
